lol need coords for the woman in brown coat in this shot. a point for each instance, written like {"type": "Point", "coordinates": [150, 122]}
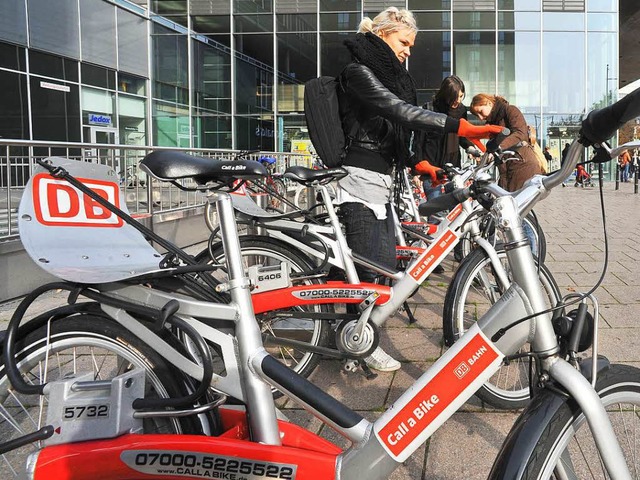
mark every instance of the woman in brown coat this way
{"type": "Point", "coordinates": [496, 110]}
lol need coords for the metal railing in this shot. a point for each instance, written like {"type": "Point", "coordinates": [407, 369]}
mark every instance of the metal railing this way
{"type": "Point", "coordinates": [17, 160]}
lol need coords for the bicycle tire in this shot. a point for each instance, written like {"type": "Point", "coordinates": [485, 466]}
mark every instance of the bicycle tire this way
{"type": "Point", "coordinates": [473, 289]}
{"type": "Point", "coordinates": [270, 252]}
{"type": "Point", "coordinates": [80, 344]}
{"type": "Point", "coordinates": [563, 435]}
{"type": "Point", "coordinates": [276, 190]}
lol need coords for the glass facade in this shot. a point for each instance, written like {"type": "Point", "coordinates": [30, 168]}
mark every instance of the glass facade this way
{"type": "Point", "coordinates": [230, 73]}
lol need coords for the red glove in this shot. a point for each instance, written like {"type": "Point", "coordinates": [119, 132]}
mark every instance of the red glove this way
{"type": "Point", "coordinates": [478, 144]}
{"type": "Point", "coordinates": [425, 168]}
{"type": "Point", "coordinates": [470, 131]}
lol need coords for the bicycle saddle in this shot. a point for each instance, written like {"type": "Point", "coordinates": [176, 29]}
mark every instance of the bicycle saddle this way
{"type": "Point", "coordinates": [171, 165]}
{"type": "Point", "coordinates": [301, 174]}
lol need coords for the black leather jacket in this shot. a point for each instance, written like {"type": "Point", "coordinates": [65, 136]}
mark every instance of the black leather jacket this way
{"type": "Point", "coordinates": [369, 112]}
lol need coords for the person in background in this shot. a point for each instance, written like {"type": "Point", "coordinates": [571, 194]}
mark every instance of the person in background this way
{"type": "Point", "coordinates": [563, 157]}
{"type": "Point", "coordinates": [624, 160]}
{"type": "Point", "coordinates": [378, 107]}
{"type": "Point", "coordinates": [434, 149]}
{"type": "Point", "coordinates": [547, 155]}
{"type": "Point", "coordinates": [495, 110]}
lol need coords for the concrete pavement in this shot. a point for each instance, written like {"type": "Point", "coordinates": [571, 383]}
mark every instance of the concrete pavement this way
{"type": "Point", "coordinates": [465, 446]}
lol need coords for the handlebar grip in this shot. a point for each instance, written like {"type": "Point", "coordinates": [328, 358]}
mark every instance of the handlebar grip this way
{"type": "Point", "coordinates": [600, 125]}
{"type": "Point", "coordinates": [494, 144]}
{"type": "Point", "coordinates": [444, 202]}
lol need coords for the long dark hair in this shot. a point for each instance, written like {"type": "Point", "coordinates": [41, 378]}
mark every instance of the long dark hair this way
{"type": "Point", "coordinates": [448, 93]}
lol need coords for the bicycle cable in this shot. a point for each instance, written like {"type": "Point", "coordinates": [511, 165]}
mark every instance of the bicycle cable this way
{"type": "Point", "coordinates": [500, 333]}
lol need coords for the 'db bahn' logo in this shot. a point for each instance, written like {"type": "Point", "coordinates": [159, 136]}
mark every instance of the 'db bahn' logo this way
{"type": "Point", "coordinates": [57, 203]}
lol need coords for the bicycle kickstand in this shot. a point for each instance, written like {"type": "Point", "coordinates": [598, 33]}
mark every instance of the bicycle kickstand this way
{"type": "Point", "coordinates": [407, 309]}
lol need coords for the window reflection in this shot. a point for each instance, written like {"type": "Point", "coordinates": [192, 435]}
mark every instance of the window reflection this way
{"type": "Point", "coordinates": [602, 81]}
{"type": "Point", "coordinates": [563, 72]}
{"type": "Point", "coordinates": [474, 56]}
{"type": "Point", "coordinates": [430, 62]}
{"type": "Point", "coordinates": [563, 21]}
{"type": "Point", "coordinates": [602, 22]}
{"type": "Point", "coordinates": [333, 54]}
{"type": "Point", "coordinates": [518, 72]}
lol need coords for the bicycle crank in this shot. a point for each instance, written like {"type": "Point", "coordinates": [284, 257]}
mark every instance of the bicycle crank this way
{"type": "Point", "coordinates": [355, 340]}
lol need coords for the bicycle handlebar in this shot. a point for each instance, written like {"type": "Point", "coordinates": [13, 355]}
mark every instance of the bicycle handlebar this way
{"type": "Point", "coordinates": [444, 202]}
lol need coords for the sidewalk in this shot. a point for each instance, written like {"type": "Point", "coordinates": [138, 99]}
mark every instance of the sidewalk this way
{"type": "Point", "coordinates": [467, 444]}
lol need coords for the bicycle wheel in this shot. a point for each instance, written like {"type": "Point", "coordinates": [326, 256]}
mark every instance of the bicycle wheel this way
{"type": "Point", "coordinates": [472, 291]}
{"type": "Point", "coordinates": [80, 344]}
{"type": "Point", "coordinates": [288, 323]}
{"type": "Point", "coordinates": [563, 446]}
{"type": "Point", "coordinates": [532, 227]}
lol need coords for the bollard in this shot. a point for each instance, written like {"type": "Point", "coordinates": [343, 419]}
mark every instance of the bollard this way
{"type": "Point", "coordinates": [617, 176]}
{"type": "Point", "coordinates": [635, 180]}
{"type": "Point", "coordinates": [261, 199]}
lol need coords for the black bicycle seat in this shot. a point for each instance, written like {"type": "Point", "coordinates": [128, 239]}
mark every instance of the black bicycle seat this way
{"type": "Point", "coordinates": [169, 165]}
{"type": "Point", "coordinates": [305, 175]}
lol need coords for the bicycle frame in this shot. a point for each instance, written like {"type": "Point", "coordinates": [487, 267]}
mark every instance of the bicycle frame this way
{"type": "Point", "coordinates": [264, 444]}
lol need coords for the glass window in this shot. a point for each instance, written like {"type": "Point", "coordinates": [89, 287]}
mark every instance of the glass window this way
{"type": "Point", "coordinates": [340, 21]}
{"type": "Point", "coordinates": [53, 26]}
{"type": "Point", "coordinates": [296, 64]}
{"type": "Point", "coordinates": [211, 78]}
{"type": "Point", "coordinates": [14, 106]}
{"type": "Point", "coordinates": [98, 32]}
{"type": "Point", "coordinates": [303, 22]}
{"type": "Point", "coordinates": [98, 104]}
{"type": "Point", "coordinates": [13, 22]}
{"type": "Point", "coordinates": [211, 131]}
{"type": "Point", "coordinates": [474, 20]}
{"type": "Point", "coordinates": [430, 62]}
{"type": "Point", "coordinates": [255, 133]}
{"type": "Point", "coordinates": [55, 111]}
{"type": "Point", "coordinates": [474, 60]}
{"type": "Point", "coordinates": [505, 5]}
{"type": "Point", "coordinates": [132, 113]}
{"type": "Point", "coordinates": [171, 125]}
{"type": "Point", "coordinates": [53, 66]}
{"type": "Point", "coordinates": [527, 5]}
{"type": "Point", "coordinates": [211, 24]}
{"type": "Point", "coordinates": [602, 22]}
{"type": "Point", "coordinates": [602, 5]}
{"type": "Point", "coordinates": [295, 6]}
{"type": "Point", "coordinates": [209, 7]}
{"type": "Point", "coordinates": [12, 57]}
{"type": "Point", "coordinates": [433, 20]}
{"type": "Point", "coordinates": [563, 21]}
{"type": "Point", "coordinates": [251, 6]}
{"type": "Point", "coordinates": [170, 65]}
{"type": "Point", "coordinates": [133, 41]}
{"type": "Point", "coordinates": [333, 54]}
{"type": "Point", "coordinates": [98, 76]}
{"type": "Point", "coordinates": [297, 56]}
{"type": "Point", "coordinates": [429, 5]}
{"type": "Point", "coordinates": [563, 72]}
{"type": "Point", "coordinates": [602, 81]}
{"type": "Point", "coordinates": [169, 7]}
{"type": "Point", "coordinates": [131, 84]}
{"type": "Point", "coordinates": [519, 69]}
{"type": "Point", "coordinates": [253, 23]}
{"type": "Point", "coordinates": [340, 5]}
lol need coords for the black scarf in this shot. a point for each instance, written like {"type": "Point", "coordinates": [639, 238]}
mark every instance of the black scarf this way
{"type": "Point", "coordinates": [373, 52]}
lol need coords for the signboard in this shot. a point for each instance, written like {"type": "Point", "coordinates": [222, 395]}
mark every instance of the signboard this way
{"type": "Point", "coordinates": [98, 119]}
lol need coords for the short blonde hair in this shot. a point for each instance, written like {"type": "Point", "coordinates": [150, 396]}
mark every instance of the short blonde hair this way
{"type": "Point", "coordinates": [388, 21]}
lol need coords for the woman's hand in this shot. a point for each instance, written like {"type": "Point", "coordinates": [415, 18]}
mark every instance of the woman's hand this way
{"type": "Point", "coordinates": [471, 131]}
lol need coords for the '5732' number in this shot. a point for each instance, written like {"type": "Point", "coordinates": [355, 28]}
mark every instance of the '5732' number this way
{"type": "Point", "coordinates": [86, 411]}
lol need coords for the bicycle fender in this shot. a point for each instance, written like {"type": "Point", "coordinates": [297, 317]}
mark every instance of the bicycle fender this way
{"type": "Point", "coordinates": [525, 434]}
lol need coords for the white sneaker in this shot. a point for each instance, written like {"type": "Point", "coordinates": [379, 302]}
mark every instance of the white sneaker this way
{"type": "Point", "coordinates": [382, 361]}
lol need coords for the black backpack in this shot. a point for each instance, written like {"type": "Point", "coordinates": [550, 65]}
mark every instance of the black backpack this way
{"type": "Point", "coordinates": [322, 112]}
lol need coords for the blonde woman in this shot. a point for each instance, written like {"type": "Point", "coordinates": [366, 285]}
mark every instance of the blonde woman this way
{"type": "Point", "coordinates": [378, 111]}
{"type": "Point", "coordinates": [495, 110]}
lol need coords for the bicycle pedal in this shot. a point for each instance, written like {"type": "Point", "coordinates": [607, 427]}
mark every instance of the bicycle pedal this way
{"type": "Point", "coordinates": [368, 373]}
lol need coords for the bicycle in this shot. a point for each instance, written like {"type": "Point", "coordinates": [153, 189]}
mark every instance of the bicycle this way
{"type": "Point", "coordinates": [254, 442]}
{"type": "Point", "coordinates": [303, 243]}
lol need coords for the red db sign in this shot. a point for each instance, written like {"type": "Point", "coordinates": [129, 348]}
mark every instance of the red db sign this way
{"type": "Point", "coordinates": [57, 203]}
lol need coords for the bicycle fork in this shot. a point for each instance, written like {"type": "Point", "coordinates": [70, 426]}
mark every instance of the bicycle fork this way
{"type": "Point", "coordinates": [545, 341]}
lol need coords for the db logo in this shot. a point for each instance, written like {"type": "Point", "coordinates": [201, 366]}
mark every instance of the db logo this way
{"type": "Point", "coordinates": [57, 203]}
{"type": "Point", "coordinates": [461, 370]}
